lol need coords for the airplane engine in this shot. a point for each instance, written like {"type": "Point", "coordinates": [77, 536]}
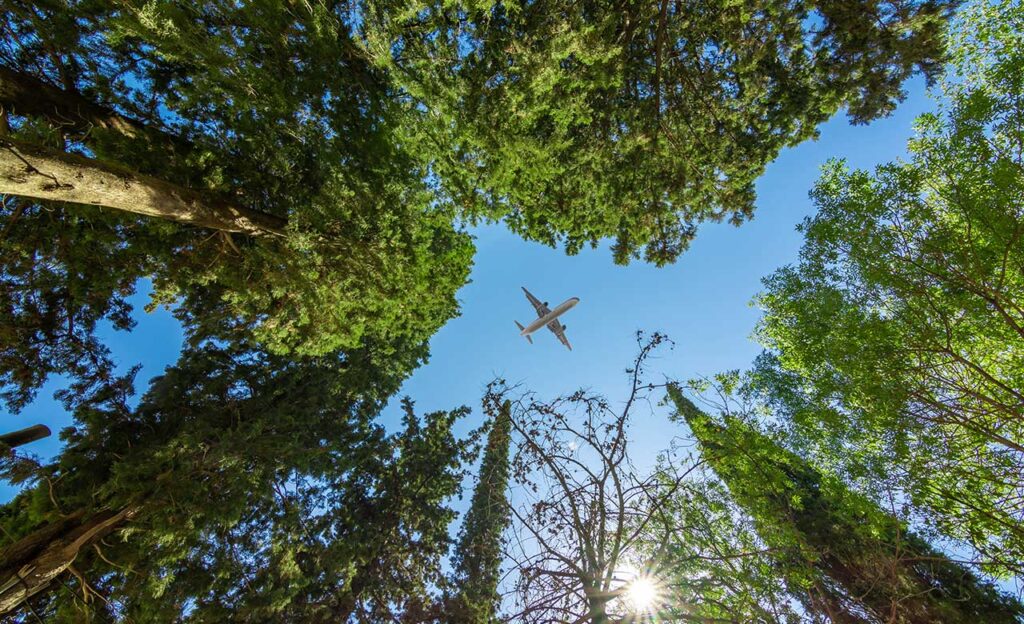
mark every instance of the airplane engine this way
{"type": "Point", "coordinates": [545, 304]}
{"type": "Point", "coordinates": [564, 326]}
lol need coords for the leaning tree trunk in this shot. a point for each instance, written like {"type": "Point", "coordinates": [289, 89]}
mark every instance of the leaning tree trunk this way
{"type": "Point", "coordinates": [22, 94]}
{"type": "Point", "coordinates": [39, 172]}
{"type": "Point", "coordinates": [29, 565]}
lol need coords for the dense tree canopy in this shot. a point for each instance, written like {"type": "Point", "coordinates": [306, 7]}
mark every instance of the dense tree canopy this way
{"type": "Point", "coordinates": [342, 140]}
{"type": "Point", "coordinates": [898, 338]}
{"type": "Point", "coordinates": [847, 559]}
{"type": "Point", "coordinates": [210, 107]}
{"type": "Point", "coordinates": [236, 457]}
{"type": "Point", "coordinates": [579, 121]}
{"type": "Point", "coordinates": [294, 178]}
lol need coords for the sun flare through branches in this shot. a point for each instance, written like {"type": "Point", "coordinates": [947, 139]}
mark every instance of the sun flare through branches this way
{"type": "Point", "coordinates": [643, 596]}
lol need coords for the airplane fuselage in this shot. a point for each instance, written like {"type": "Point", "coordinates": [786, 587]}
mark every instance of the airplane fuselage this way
{"type": "Point", "coordinates": [542, 321]}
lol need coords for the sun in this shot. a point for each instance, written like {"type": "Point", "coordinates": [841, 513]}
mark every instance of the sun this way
{"type": "Point", "coordinates": [642, 594]}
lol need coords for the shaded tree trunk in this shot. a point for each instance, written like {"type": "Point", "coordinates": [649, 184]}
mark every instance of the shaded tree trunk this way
{"type": "Point", "coordinates": [23, 94]}
{"type": "Point", "coordinates": [29, 565]}
{"type": "Point", "coordinates": [33, 171]}
{"type": "Point", "coordinates": [597, 603]}
{"type": "Point", "coordinates": [25, 436]}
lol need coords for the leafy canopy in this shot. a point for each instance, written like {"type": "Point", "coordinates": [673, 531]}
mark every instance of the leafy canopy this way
{"type": "Point", "coordinates": [898, 338]}
{"type": "Point", "coordinates": [840, 552]}
{"type": "Point", "coordinates": [268, 106]}
{"type": "Point", "coordinates": [261, 487]}
{"type": "Point", "coordinates": [579, 121]}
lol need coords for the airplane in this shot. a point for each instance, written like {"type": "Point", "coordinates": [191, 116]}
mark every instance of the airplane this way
{"type": "Point", "coordinates": [549, 317]}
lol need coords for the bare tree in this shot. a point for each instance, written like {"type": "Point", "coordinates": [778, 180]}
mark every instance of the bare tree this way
{"type": "Point", "coordinates": [579, 506]}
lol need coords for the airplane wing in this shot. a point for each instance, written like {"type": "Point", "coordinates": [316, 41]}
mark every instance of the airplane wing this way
{"type": "Point", "coordinates": [540, 307]}
{"type": "Point", "coordinates": [558, 329]}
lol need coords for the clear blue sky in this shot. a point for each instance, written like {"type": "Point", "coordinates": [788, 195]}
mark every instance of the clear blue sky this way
{"type": "Point", "coordinates": [701, 302]}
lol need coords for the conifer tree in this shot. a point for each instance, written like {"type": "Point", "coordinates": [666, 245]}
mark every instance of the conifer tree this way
{"type": "Point", "coordinates": [855, 562]}
{"type": "Point", "coordinates": [235, 458]}
{"type": "Point", "coordinates": [360, 135]}
{"type": "Point", "coordinates": [575, 121]}
{"type": "Point", "coordinates": [205, 115]}
{"type": "Point", "coordinates": [478, 557]}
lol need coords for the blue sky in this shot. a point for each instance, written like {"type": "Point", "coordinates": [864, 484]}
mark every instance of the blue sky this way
{"type": "Point", "coordinates": [702, 302]}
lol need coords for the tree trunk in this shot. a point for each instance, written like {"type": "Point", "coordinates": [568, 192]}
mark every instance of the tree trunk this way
{"type": "Point", "coordinates": [25, 436]}
{"type": "Point", "coordinates": [23, 94]}
{"type": "Point", "coordinates": [29, 565]}
{"type": "Point", "coordinates": [42, 173]}
{"type": "Point", "coordinates": [597, 605]}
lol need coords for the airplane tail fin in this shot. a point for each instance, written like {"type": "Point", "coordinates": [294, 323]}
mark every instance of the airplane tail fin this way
{"type": "Point", "coordinates": [528, 339]}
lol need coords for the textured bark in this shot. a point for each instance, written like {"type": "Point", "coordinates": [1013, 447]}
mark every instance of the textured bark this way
{"type": "Point", "coordinates": [28, 566]}
{"type": "Point", "coordinates": [23, 94]}
{"type": "Point", "coordinates": [34, 171]}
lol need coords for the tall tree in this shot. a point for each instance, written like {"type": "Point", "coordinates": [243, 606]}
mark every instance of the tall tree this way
{"type": "Point", "coordinates": [578, 121]}
{"type": "Point", "coordinates": [211, 102]}
{"type": "Point", "coordinates": [580, 508]}
{"type": "Point", "coordinates": [478, 555]}
{"type": "Point", "coordinates": [856, 562]}
{"type": "Point", "coordinates": [205, 114]}
{"type": "Point", "coordinates": [708, 563]}
{"type": "Point", "coordinates": [363, 543]}
{"type": "Point", "coordinates": [236, 457]}
{"type": "Point", "coordinates": [897, 340]}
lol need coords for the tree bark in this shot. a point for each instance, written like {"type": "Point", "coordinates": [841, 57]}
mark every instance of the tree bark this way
{"type": "Point", "coordinates": [23, 94]}
{"type": "Point", "coordinates": [33, 171]}
{"type": "Point", "coordinates": [29, 565]}
{"type": "Point", "coordinates": [597, 604]}
{"type": "Point", "coordinates": [25, 436]}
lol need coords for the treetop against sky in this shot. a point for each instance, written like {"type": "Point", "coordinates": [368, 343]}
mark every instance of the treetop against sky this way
{"type": "Point", "coordinates": [312, 198]}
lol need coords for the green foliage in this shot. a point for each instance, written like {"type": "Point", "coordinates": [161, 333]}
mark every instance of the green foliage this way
{"type": "Point", "coordinates": [264, 491]}
{"type": "Point", "coordinates": [373, 126]}
{"type": "Point", "coordinates": [259, 445]}
{"type": "Point", "coordinates": [578, 121]}
{"type": "Point", "coordinates": [51, 298]}
{"type": "Point", "coordinates": [854, 562]}
{"type": "Point", "coordinates": [898, 338]}
{"type": "Point", "coordinates": [478, 557]}
{"type": "Point", "coordinates": [267, 106]}
{"type": "Point", "coordinates": [712, 563]}
{"type": "Point", "coordinates": [364, 540]}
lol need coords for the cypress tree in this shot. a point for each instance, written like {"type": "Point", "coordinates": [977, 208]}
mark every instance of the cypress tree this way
{"type": "Point", "coordinates": [855, 562]}
{"type": "Point", "coordinates": [244, 486]}
{"type": "Point", "coordinates": [573, 122]}
{"type": "Point", "coordinates": [478, 558]}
